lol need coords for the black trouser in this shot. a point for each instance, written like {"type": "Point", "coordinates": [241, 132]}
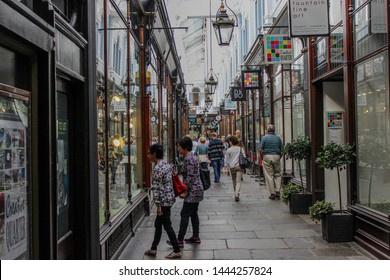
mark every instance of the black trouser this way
{"type": "Point", "coordinates": [164, 220]}
{"type": "Point", "coordinates": [189, 210]}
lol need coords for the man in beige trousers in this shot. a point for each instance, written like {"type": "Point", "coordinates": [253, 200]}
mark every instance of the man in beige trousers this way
{"type": "Point", "coordinates": [271, 149]}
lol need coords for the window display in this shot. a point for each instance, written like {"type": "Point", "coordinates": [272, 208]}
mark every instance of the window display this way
{"type": "Point", "coordinates": [13, 178]}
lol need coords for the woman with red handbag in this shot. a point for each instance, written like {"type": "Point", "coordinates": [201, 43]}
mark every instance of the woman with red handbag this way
{"type": "Point", "coordinates": [193, 195]}
{"type": "Point", "coordinates": [164, 198]}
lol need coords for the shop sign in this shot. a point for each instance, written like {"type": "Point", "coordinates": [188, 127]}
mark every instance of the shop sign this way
{"type": "Point", "coordinates": [230, 104]}
{"type": "Point", "coordinates": [237, 94]}
{"type": "Point", "coordinates": [192, 119]}
{"type": "Point", "coordinates": [223, 111]}
{"type": "Point", "coordinates": [308, 18]}
{"type": "Point", "coordinates": [378, 16]}
{"type": "Point", "coordinates": [250, 79]}
{"type": "Point", "coordinates": [278, 49]}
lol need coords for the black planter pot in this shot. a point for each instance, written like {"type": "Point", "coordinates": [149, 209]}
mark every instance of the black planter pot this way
{"type": "Point", "coordinates": [337, 227]}
{"type": "Point", "coordinates": [300, 202]}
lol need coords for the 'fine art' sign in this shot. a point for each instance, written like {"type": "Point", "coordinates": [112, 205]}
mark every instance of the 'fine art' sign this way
{"type": "Point", "coordinates": [308, 17]}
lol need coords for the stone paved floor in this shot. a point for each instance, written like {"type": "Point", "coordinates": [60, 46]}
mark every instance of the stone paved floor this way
{"type": "Point", "coordinates": [253, 228]}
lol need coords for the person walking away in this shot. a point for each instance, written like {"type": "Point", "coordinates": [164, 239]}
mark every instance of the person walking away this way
{"type": "Point", "coordinates": [271, 149]}
{"type": "Point", "coordinates": [233, 165]}
{"type": "Point", "coordinates": [192, 196]}
{"type": "Point", "coordinates": [215, 153]}
{"type": "Point", "coordinates": [164, 198]}
{"type": "Point", "coordinates": [201, 152]}
{"type": "Point", "coordinates": [225, 147]}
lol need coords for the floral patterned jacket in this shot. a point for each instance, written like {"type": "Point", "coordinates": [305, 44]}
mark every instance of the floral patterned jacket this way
{"type": "Point", "coordinates": [162, 184]}
{"type": "Point", "coordinates": [191, 178]}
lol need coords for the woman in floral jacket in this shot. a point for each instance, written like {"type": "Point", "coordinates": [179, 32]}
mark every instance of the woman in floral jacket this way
{"type": "Point", "coordinates": [193, 195]}
{"type": "Point", "coordinates": [164, 198]}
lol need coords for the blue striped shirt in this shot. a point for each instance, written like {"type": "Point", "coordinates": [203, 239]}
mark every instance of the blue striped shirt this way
{"type": "Point", "coordinates": [215, 149]}
{"type": "Point", "coordinates": [271, 144]}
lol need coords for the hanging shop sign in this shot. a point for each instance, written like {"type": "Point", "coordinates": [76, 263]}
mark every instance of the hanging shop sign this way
{"type": "Point", "coordinates": [237, 94]}
{"type": "Point", "coordinates": [230, 104]}
{"type": "Point", "coordinates": [308, 18]}
{"type": "Point", "coordinates": [223, 111]}
{"type": "Point", "coordinates": [216, 121]}
{"type": "Point", "coordinates": [278, 49]}
{"type": "Point", "coordinates": [250, 79]}
{"type": "Point", "coordinates": [192, 119]}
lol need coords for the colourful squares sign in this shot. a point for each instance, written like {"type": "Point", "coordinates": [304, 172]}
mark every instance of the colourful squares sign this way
{"type": "Point", "coordinates": [250, 79]}
{"type": "Point", "coordinates": [335, 119]}
{"type": "Point", "coordinates": [278, 49]}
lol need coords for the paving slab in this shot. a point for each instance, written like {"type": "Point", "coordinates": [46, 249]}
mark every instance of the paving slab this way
{"type": "Point", "coordinates": [253, 228]}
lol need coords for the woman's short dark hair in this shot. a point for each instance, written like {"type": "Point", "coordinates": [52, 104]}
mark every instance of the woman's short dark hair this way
{"type": "Point", "coordinates": [234, 140]}
{"type": "Point", "coordinates": [185, 143]}
{"type": "Point", "coordinates": [158, 150]}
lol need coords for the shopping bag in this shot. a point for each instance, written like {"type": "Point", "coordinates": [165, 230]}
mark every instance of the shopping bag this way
{"type": "Point", "coordinates": [205, 178]}
{"type": "Point", "coordinates": [178, 185]}
{"type": "Point", "coordinates": [243, 160]}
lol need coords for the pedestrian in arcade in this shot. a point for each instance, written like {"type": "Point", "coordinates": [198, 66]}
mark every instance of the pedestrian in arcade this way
{"type": "Point", "coordinates": [164, 198]}
{"type": "Point", "coordinates": [271, 149]}
{"type": "Point", "coordinates": [193, 195]}
{"type": "Point", "coordinates": [233, 165]}
{"type": "Point", "coordinates": [215, 153]}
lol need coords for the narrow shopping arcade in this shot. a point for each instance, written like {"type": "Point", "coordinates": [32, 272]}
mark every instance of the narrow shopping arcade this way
{"type": "Point", "coordinates": [99, 97]}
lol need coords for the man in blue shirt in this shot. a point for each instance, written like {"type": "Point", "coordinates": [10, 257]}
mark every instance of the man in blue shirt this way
{"type": "Point", "coordinates": [271, 149]}
{"type": "Point", "coordinates": [215, 153]}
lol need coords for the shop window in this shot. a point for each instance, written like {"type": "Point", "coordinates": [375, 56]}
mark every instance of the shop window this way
{"type": "Point", "coordinates": [373, 133]}
{"type": "Point", "coordinates": [119, 126]}
{"type": "Point", "coordinates": [370, 28]}
{"type": "Point", "coordinates": [14, 175]}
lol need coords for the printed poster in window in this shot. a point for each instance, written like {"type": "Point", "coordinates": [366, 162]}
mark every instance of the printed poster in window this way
{"type": "Point", "coordinates": [13, 179]}
{"type": "Point", "coordinates": [335, 120]}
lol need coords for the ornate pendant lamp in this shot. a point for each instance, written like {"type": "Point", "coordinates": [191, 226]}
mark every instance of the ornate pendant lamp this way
{"type": "Point", "coordinates": [223, 25]}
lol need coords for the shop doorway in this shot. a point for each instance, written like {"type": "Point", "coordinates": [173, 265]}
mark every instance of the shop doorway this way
{"type": "Point", "coordinates": [65, 174]}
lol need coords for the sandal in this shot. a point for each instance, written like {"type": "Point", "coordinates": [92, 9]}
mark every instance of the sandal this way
{"type": "Point", "coordinates": [151, 253]}
{"type": "Point", "coordinates": [174, 255]}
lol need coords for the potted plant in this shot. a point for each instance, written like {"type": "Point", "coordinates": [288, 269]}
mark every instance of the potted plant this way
{"type": "Point", "coordinates": [298, 150]}
{"type": "Point", "coordinates": [336, 227]}
{"type": "Point", "coordinates": [288, 190]}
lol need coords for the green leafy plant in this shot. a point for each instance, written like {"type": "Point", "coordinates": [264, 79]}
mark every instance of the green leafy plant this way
{"type": "Point", "coordinates": [336, 156]}
{"type": "Point", "coordinates": [299, 150]}
{"type": "Point", "coordinates": [319, 209]}
{"type": "Point", "coordinates": [289, 189]}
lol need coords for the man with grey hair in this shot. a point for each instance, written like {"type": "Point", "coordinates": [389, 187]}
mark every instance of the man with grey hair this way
{"type": "Point", "coordinates": [271, 149]}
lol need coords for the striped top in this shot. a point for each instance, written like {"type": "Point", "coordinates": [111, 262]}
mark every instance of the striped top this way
{"type": "Point", "coordinates": [215, 149]}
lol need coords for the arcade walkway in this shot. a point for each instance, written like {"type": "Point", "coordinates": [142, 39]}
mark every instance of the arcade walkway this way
{"type": "Point", "coordinates": [253, 228]}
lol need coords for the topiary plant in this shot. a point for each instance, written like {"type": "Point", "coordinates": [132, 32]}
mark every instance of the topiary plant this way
{"type": "Point", "coordinates": [319, 209]}
{"type": "Point", "coordinates": [298, 150]}
{"type": "Point", "coordinates": [289, 189]}
{"type": "Point", "coordinates": [336, 156]}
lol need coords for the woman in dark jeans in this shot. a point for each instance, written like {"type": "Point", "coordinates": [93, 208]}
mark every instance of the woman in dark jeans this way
{"type": "Point", "coordinates": [164, 198]}
{"type": "Point", "coordinates": [193, 195]}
